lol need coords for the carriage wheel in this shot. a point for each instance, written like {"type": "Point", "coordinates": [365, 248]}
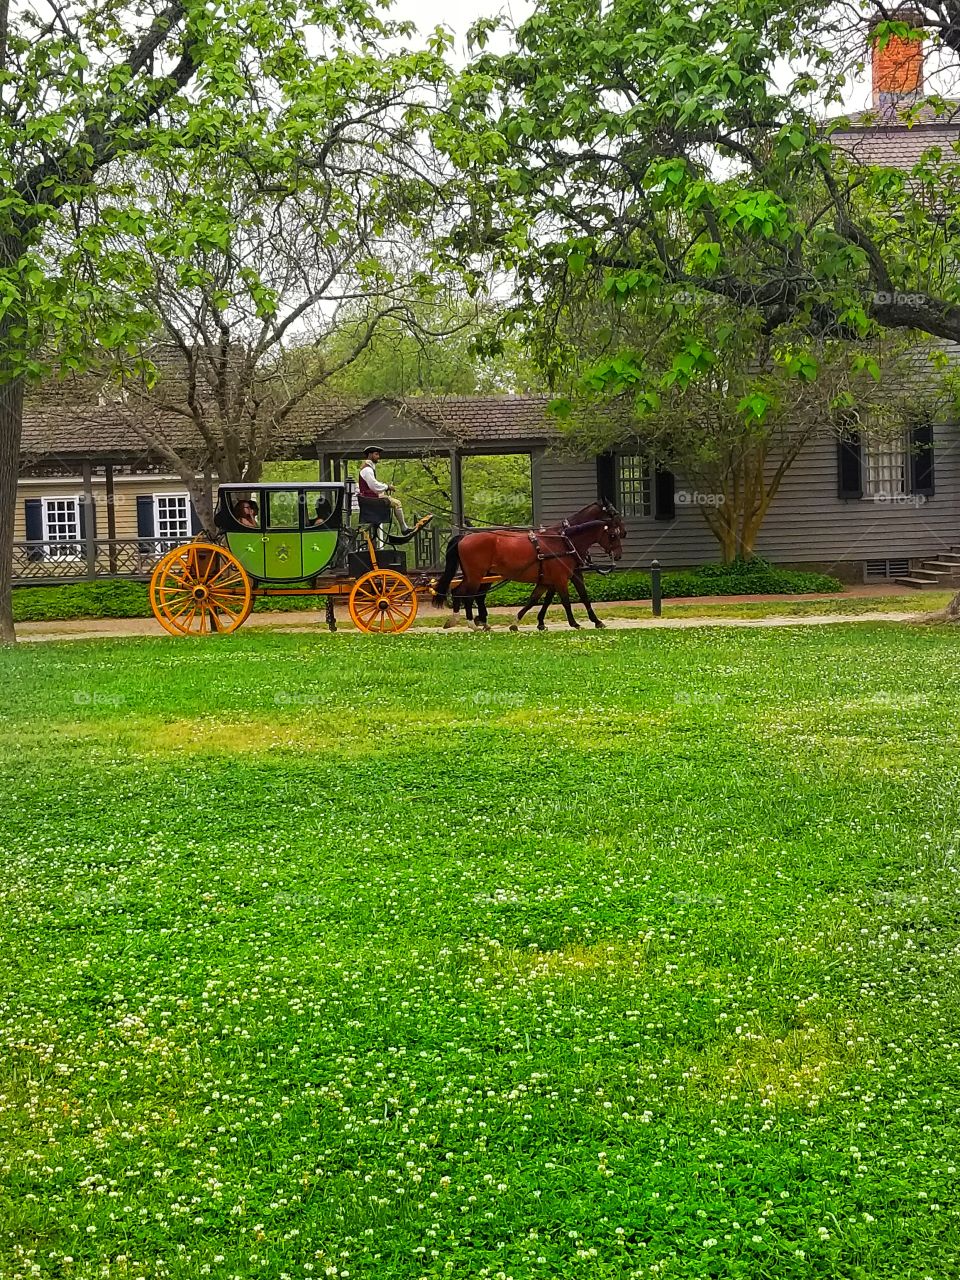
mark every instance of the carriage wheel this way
{"type": "Point", "coordinates": [382, 601]}
{"type": "Point", "coordinates": [200, 588]}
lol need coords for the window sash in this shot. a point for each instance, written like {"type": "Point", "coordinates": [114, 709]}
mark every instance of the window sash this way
{"type": "Point", "coordinates": [885, 467]}
{"type": "Point", "coordinates": [633, 485]}
{"type": "Point", "coordinates": [61, 528]}
{"type": "Point", "coordinates": [171, 519]}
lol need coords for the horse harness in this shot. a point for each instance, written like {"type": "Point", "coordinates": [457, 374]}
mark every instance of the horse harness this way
{"type": "Point", "coordinates": [580, 561]}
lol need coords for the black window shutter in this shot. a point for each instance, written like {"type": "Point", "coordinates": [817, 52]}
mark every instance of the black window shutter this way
{"type": "Point", "coordinates": [84, 509]}
{"type": "Point", "coordinates": [145, 527]}
{"type": "Point", "coordinates": [607, 478]}
{"type": "Point", "coordinates": [33, 522]}
{"type": "Point", "coordinates": [664, 487]}
{"type": "Point", "coordinates": [921, 460]}
{"type": "Point", "coordinates": [194, 519]}
{"type": "Point", "coordinates": [849, 466]}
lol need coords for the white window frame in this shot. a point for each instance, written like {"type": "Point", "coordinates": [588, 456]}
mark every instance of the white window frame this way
{"type": "Point", "coordinates": [644, 466]}
{"type": "Point", "coordinates": [881, 458]}
{"type": "Point", "coordinates": [72, 548]}
{"type": "Point", "coordinates": [164, 542]}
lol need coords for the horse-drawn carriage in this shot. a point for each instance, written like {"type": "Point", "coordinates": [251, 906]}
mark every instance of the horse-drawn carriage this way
{"type": "Point", "coordinates": [289, 540]}
{"type": "Point", "coordinates": [301, 540]}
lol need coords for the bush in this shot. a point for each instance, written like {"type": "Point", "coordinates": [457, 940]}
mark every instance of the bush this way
{"type": "Point", "coordinates": [119, 599]}
{"type": "Point", "coordinates": [742, 578]}
{"type": "Point", "coordinates": [110, 599]}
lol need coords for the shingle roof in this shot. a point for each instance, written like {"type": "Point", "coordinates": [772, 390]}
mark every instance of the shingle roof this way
{"type": "Point", "coordinates": [70, 422]}
{"type": "Point", "coordinates": [896, 139]}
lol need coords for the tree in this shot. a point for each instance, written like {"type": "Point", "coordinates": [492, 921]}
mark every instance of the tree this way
{"type": "Point", "coordinates": [732, 411]}
{"type": "Point", "coordinates": [665, 148]}
{"type": "Point", "coordinates": [274, 307]}
{"type": "Point", "coordinates": [90, 88]}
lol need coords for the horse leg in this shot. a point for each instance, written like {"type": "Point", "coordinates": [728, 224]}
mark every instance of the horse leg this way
{"type": "Point", "coordinates": [541, 616]}
{"type": "Point", "coordinates": [567, 607]}
{"type": "Point", "coordinates": [534, 597]}
{"type": "Point", "coordinates": [579, 583]}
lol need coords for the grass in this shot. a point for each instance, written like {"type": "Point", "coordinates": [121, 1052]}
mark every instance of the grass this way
{"type": "Point", "coordinates": [607, 955]}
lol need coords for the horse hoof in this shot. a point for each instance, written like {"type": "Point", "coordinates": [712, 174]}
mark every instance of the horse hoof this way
{"type": "Point", "coordinates": [450, 624]}
{"type": "Point", "coordinates": [575, 625]}
{"type": "Point", "coordinates": [600, 626]}
{"type": "Point", "coordinates": [541, 626]}
{"type": "Point", "coordinates": [514, 626]}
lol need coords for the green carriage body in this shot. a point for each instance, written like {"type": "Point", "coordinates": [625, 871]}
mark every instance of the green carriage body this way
{"type": "Point", "coordinates": [288, 547]}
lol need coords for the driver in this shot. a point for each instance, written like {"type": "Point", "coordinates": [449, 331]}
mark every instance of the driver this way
{"type": "Point", "coordinates": [371, 487]}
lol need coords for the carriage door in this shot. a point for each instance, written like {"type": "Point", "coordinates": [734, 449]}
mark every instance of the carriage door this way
{"type": "Point", "coordinates": [282, 539]}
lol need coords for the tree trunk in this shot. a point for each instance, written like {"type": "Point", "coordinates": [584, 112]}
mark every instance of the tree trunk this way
{"type": "Point", "coordinates": [11, 430]}
{"type": "Point", "coordinates": [950, 614]}
{"type": "Point", "coordinates": [11, 426]}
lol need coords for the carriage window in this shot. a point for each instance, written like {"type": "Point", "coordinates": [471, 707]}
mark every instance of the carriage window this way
{"type": "Point", "coordinates": [322, 509]}
{"type": "Point", "coordinates": [284, 509]}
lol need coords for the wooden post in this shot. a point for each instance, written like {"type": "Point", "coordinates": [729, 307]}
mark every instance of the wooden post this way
{"type": "Point", "coordinates": [90, 517]}
{"type": "Point", "coordinates": [111, 517]}
{"type": "Point", "coordinates": [456, 487]}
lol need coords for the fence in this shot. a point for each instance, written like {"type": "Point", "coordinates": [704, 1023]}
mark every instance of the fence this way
{"type": "Point", "coordinates": [135, 558]}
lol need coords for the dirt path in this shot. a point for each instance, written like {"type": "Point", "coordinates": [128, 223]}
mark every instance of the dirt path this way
{"type": "Point", "coordinates": [124, 628]}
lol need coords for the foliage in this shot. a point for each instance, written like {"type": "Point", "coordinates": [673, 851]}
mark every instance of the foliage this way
{"type": "Point", "coordinates": [742, 577]}
{"type": "Point", "coordinates": [441, 354]}
{"type": "Point", "coordinates": [686, 163]}
{"type": "Point", "coordinates": [118, 599]}
{"type": "Point", "coordinates": [126, 136]}
{"type": "Point", "coordinates": [670, 991]}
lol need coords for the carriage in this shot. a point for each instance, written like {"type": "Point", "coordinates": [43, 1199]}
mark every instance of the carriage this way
{"type": "Point", "coordinates": [304, 542]}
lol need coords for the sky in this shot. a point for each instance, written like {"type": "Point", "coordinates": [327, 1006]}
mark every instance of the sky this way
{"type": "Point", "coordinates": [458, 15]}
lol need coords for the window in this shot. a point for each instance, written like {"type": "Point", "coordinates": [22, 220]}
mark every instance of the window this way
{"type": "Point", "coordinates": [171, 519]}
{"type": "Point", "coordinates": [284, 507]}
{"type": "Point", "coordinates": [61, 527]}
{"type": "Point", "coordinates": [885, 467]}
{"type": "Point", "coordinates": [633, 485]}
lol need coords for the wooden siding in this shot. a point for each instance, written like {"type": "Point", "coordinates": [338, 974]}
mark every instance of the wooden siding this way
{"type": "Point", "coordinates": [126, 491]}
{"type": "Point", "coordinates": [807, 522]}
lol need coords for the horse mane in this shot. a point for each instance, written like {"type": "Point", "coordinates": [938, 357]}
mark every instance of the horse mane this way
{"type": "Point", "coordinates": [585, 513]}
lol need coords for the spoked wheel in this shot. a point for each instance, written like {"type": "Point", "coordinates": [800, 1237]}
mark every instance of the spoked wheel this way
{"type": "Point", "coordinates": [200, 588]}
{"type": "Point", "coordinates": [383, 600]}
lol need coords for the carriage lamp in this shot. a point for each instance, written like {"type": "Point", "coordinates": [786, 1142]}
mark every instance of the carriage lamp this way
{"type": "Point", "coordinates": [349, 489]}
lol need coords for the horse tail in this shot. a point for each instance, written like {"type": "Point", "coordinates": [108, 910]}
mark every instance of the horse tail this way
{"type": "Point", "coordinates": [450, 567]}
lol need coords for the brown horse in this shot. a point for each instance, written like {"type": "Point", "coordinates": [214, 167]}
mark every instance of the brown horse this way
{"type": "Point", "coordinates": [549, 558]}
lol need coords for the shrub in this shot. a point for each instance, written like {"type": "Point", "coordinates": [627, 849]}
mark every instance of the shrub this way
{"type": "Point", "coordinates": [120, 599]}
{"type": "Point", "coordinates": [743, 578]}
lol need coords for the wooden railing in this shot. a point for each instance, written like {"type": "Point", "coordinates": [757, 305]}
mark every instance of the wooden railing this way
{"type": "Point", "coordinates": [92, 559]}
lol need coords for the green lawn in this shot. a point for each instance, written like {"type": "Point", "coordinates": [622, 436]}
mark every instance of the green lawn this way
{"type": "Point", "coordinates": [600, 955]}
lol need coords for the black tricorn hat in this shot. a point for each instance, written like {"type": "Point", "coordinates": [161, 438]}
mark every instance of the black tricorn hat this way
{"type": "Point", "coordinates": [372, 448]}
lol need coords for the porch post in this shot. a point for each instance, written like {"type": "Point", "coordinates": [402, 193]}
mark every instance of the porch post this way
{"type": "Point", "coordinates": [111, 517]}
{"type": "Point", "coordinates": [90, 540]}
{"type": "Point", "coordinates": [456, 487]}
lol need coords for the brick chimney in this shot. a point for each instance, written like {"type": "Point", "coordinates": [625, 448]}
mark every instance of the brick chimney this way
{"type": "Point", "coordinates": [898, 67]}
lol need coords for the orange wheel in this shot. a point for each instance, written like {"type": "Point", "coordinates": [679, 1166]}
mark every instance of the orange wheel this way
{"type": "Point", "coordinates": [200, 588]}
{"type": "Point", "coordinates": [383, 600]}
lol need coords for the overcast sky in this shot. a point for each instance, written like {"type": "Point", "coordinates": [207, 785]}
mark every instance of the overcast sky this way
{"type": "Point", "coordinates": [458, 15]}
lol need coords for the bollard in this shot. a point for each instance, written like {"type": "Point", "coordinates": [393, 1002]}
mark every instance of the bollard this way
{"type": "Point", "coordinates": [655, 598]}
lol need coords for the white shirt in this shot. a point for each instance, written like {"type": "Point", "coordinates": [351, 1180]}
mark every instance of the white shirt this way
{"type": "Point", "coordinates": [368, 471]}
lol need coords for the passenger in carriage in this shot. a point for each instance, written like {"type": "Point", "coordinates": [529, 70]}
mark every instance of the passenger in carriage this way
{"type": "Point", "coordinates": [324, 510]}
{"type": "Point", "coordinates": [247, 513]}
